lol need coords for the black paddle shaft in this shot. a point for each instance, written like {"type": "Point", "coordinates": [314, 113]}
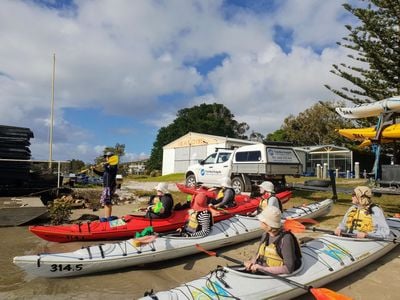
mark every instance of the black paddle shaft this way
{"type": "Point", "coordinates": [333, 184]}
{"type": "Point", "coordinates": [393, 240]}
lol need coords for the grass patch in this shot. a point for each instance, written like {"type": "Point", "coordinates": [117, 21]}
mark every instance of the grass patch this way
{"type": "Point", "coordinates": [176, 177]}
{"type": "Point", "coordinates": [339, 181]}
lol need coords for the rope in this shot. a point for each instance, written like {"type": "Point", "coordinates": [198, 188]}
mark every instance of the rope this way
{"type": "Point", "coordinates": [222, 228]}
{"type": "Point", "coordinates": [241, 224]}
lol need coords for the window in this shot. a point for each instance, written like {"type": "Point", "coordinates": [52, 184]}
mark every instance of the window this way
{"type": "Point", "coordinates": [223, 157]}
{"type": "Point", "coordinates": [210, 159]}
{"type": "Point", "coordinates": [248, 156]}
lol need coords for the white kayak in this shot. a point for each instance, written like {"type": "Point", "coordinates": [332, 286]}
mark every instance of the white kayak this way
{"type": "Point", "coordinates": [324, 260]}
{"type": "Point", "coordinates": [112, 256]}
{"type": "Point", "coordinates": [373, 109]}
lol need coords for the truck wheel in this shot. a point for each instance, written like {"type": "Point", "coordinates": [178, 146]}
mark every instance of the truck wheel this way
{"type": "Point", "coordinates": [237, 185]}
{"type": "Point", "coordinates": [191, 181]}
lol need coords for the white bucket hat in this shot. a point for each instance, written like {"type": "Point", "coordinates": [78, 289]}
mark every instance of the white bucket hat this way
{"type": "Point", "coordinates": [162, 187]}
{"type": "Point", "coordinates": [271, 215]}
{"type": "Point", "coordinates": [267, 186]}
{"type": "Point", "coordinates": [226, 182]}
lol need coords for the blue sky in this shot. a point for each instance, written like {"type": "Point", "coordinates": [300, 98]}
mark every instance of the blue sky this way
{"type": "Point", "coordinates": [124, 68]}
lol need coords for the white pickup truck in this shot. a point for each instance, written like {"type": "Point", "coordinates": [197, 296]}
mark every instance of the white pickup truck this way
{"type": "Point", "coordinates": [246, 166]}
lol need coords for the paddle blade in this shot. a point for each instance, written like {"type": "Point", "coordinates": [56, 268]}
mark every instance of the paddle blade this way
{"type": "Point", "coordinates": [294, 226]}
{"type": "Point", "coordinates": [211, 253]}
{"type": "Point", "coordinates": [327, 294]}
{"type": "Point", "coordinates": [113, 160]}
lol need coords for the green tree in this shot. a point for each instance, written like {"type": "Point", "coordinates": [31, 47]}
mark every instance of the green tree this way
{"type": "Point", "coordinates": [277, 136]}
{"type": "Point", "coordinates": [76, 165]}
{"type": "Point", "coordinates": [375, 44]}
{"type": "Point", "coordinates": [315, 126]}
{"type": "Point", "coordinates": [256, 136]}
{"type": "Point", "coordinates": [213, 119]}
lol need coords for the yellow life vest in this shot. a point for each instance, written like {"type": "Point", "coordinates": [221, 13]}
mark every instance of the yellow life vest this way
{"type": "Point", "coordinates": [192, 223]}
{"type": "Point", "coordinates": [359, 219]}
{"type": "Point", "coordinates": [263, 204]}
{"type": "Point", "coordinates": [220, 194]}
{"type": "Point", "coordinates": [268, 255]}
{"type": "Point", "coordinates": [265, 201]}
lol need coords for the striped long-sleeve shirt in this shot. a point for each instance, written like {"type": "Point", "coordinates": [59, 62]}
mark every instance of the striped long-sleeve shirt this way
{"type": "Point", "coordinates": [204, 218]}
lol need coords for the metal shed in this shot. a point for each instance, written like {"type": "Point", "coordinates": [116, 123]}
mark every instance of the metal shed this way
{"type": "Point", "coordinates": [335, 157]}
{"type": "Point", "coordinates": [191, 147]}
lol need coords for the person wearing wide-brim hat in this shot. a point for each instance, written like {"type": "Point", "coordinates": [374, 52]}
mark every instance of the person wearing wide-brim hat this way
{"type": "Point", "coordinates": [363, 218]}
{"type": "Point", "coordinates": [226, 196]}
{"type": "Point", "coordinates": [199, 220]}
{"type": "Point", "coordinates": [162, 204]}
{"type": "Point", "coordinates": [268, 198]}
{"type": "Point", "coordinates": [279, 251]}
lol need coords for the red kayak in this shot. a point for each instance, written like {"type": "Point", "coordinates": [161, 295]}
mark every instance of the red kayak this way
{"type": "Point", "coordinates": [282, 196]}
{"type": "Point", "coordinates": [127, 226]}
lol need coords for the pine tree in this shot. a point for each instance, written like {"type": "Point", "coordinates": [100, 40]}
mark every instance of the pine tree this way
{"type": "Point", "coordinates": [376, 48]}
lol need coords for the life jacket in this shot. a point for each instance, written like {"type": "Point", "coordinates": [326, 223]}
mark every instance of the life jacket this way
{"type": "Point", "coordinates": [264, 203]}
{"type": "Point", "coordinates": [271, 254]}
{"type": "Point", "coordinates": [360, 219]}
{"type": "Point", "coordinates": [220, 194]}
{"type": "Point", "coordinates": [192, 224]}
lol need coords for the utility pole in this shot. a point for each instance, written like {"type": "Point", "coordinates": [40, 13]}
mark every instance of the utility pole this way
{"type": "Point", "coordinates": [52, 113]}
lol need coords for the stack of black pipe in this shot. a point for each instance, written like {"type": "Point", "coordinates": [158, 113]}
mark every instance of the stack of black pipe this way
{"type": "Point", "coordinates": [14, 144]}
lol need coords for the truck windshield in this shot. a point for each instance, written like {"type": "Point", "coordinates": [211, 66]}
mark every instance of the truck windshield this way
{"type": "Point", "coordinates": [210, 159]}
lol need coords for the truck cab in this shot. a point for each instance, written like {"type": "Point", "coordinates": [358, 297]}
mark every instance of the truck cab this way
{"type": "Point", "coordinates": [210, 170]}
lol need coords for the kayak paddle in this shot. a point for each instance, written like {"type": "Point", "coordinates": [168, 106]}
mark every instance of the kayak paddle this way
{"type": "Point", "coordinates": [296, 227]}
{"type": "Point", "coordinates": [318, 293]}
{"type": "Point", "coordinates": [112, 161]}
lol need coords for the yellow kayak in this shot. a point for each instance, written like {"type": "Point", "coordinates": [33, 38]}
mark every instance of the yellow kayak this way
{"type": "Point", "coordinates": [360, 134]}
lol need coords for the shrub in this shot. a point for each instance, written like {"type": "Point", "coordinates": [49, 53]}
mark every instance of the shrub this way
{"type": "Point", "coordinates": [60, 212]}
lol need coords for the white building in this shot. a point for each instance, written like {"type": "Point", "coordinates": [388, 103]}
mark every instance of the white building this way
{"type": "Point", "coordinates": [191, 147]}
{"type": "Point", "coordinates": [137, 167]}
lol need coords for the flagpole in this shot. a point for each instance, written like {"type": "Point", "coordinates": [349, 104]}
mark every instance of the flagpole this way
{"type": "Point", "coordinates": [52, 113]}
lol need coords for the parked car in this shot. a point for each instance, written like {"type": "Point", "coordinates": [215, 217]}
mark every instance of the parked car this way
{"type": "Point", "coordinates": [82, 179]}
{"type": "Point", "coordinates": [119, 180]}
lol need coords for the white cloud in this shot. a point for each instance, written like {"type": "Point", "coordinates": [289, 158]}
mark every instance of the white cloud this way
{"type": "Point", "coordinates": [121, 56]}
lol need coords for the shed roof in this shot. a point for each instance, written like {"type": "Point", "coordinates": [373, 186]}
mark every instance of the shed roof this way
{"type": "Point", "coordinates": [322, 149]}
{"type": "Point", "coordinates": [197, 139]}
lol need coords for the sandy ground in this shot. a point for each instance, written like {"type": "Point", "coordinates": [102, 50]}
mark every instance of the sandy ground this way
{"type": "Point", "coordinates": [379, 280]}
